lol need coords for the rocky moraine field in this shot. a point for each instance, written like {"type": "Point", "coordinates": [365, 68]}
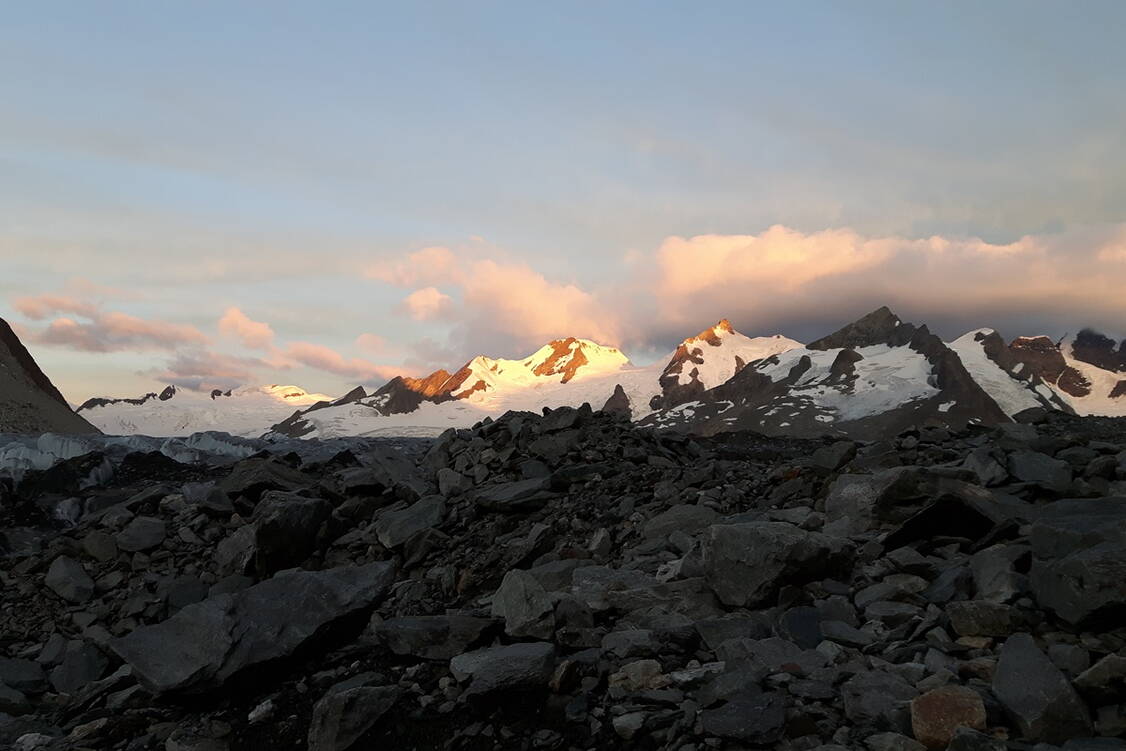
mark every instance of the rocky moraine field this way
{"type": "Point", "coordinates": [568, 580]}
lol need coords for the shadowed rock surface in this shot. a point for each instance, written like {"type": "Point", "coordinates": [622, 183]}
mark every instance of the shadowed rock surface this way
{"type": "Point", "coordinates": [570, 581]}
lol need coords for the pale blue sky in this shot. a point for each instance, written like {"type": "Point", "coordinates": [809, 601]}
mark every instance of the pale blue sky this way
{"type": "Point", "coordinates": [262, 155]}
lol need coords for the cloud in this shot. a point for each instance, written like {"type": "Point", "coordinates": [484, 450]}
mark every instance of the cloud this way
{"type": "Point", "coordinates": [518, 302]}
{"type": "Point", "coordinates": [373, 343]}
{"type": "Point", "coordinates": [116, 332]}
{"type": "Point", "coordinates": [329, 360]}
{"type": "Point", "coordinates": [427, 304]}
{"type": "Point", "coordinates": [428, 266]}
{"type": "Point", "coordinates": [783, 277]}
{"type": "Point", "coordinates": [500, 303]}
{"type": "Point", "coordinates": [780, 280]}
{"type": "Point", "coordinates": [252, 334]}
{"type": "Point", "coordinates": [41, 307]}
{"type": "Point", "coordinates": [206, 370]}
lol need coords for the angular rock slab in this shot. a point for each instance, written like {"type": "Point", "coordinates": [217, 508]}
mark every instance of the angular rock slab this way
{"type": "Point", "coordinates": [431, 637]}
{"type": "Point", "coordinates": [516, 666]}
{"type": "Point", "coordinates": [1037, 696]}
{"type": "Point", "coordinates": [746, 563]}
{"type": "Point", "coordinates": [207, 643]}
{"type": "Point", "coordinates": [340, 718]}
{"type": "Point", "coordinates": [1079, 559]}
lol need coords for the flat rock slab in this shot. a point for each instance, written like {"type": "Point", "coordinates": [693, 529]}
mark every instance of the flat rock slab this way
{"type": "Point", "coordinates": [516, 666]}
{"type": "Point", "coordinates": [1037, 696]}
{"type": "Point", "coordinates": [207, 643]}
{"type": "Point", "coordinates": [342, 717]}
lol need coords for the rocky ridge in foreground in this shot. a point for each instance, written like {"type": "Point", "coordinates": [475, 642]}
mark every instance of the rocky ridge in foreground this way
{"type": "Point", "coordinates": [569, 581]}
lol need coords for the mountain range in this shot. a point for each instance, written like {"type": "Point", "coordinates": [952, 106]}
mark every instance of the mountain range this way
{"type": "Point", "coordinates": [874, 375]}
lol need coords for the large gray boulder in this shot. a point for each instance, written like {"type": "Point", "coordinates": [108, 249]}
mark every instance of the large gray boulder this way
{"type": "Point", "coordinates": [686, 518]}
{"type": "Point", "coordinates": [1041, 470]}
{"type": "Point", "coordinates": [516, 666]}
{"type": "Point", "coordinates": [206, 644]}
{"type": "Point", "coordinates": [1036, 695]}
{"type": "Point", "coordinates": [745, 564]}
{"type": "Point", "coordinates": [521, 495]}
{"type": "Point", "coordinates": [858, 503]}
{"type": "Point", "coordinates": [1079, 559]}
{"type": "Point", "coordinates": [285, 529]}
{"type": "Point", "coordinates": [527, 609]}
{"type": "Point", "coordinates": [69, 580]}
{"type": "Point", "coordinates": [395, 527]}
{"type": "Point", "coordinates": [342, 717]}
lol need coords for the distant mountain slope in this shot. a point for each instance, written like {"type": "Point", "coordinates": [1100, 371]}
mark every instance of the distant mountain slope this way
{"type": "Point", "coordinates": [29, 402]}
{"type": "Point", "coordinates": [870, 378]}
{"type": "Point", "coordinates": [247, 411]}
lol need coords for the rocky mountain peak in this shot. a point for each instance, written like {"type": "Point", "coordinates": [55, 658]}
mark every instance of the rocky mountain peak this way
{"type": "Point", "coordinates": [881, 326]}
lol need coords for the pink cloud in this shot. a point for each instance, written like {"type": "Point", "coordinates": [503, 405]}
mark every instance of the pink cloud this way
{"type": "Point", "coordinates": [206, 370]}
{"type": "Point", "coordinates": [329, 360]}
{"type": "Point", "coordinates": [41, 307]}
{"type": "Point", "coordinates": [428, 266]}
{"type": "Point", "coordinates": [427, 304]}
{"type": "Point", "coordinates": [115, 332]}
{"type": "Point", "coordinates": [373, 343]}
{"type": "Point", "coordinates": [252, 334]}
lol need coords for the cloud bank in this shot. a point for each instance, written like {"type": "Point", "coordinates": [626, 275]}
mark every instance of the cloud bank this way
{"type": "Point", "coordinates": [779, 280]}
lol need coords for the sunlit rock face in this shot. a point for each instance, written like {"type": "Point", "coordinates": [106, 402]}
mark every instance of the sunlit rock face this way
{"type": "Point", "coordinates": [29, 402]}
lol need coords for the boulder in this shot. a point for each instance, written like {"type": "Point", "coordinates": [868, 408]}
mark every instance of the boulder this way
{"type": "Point", "coordinates": [515, 496]}
{"type": "Point", "coordinates": [140, 534]}
{"type": "Point", "coordinates": [1041, 470]}
{"type": "Point", "coordinates": [1036, 695]}
{"type": "Point", "coordinates": [1079, 559]}
{"type": "Point", "coordinates": [206, 644]}
{"type": "Point", "coordinates": [834, 456]}
{"type": "Point", "coordinates": [82, 664]}
{"type": "Point", "coordinates": [69, 580]}
{"type": "Point", "coordinates": [527, 665]}
{"type": "Point", "coordinates": [395, 527]}
{"type": "Point", "coordinates": [752, 716]}
{"type": "Point", "coordinates": [431, 637]}
{"type": "Point", "coordinates": [879, 700]}
{"type": "Point", "coordinates": [252, 477]}
{"type": "Point", "coordinates": [342, 717]}
{"type": "Point", "coordinates": [26, 676]}
{"type": "Point", "coordinates": [285, 529]}
{"type": "Point", "coordinates": [452, 483]}
{"type": "Point", "coordinates": [746, 564]}
{"type": "Point", "coordinates": [525, 606]}
{"type": "Point", "coordinates": [684, 517]}
{"type": "Point", "coordinates": [980, 618]}
{"type": "Point", "coordinates": [937, 714]}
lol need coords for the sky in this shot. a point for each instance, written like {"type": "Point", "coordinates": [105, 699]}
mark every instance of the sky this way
{"type": "Point", "coordinates": [325, 194]}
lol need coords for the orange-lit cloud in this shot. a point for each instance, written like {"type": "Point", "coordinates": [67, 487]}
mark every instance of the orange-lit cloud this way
{"type": "Point", "coordinates": [252, 334]}
{"type": "Point", "coordinates": [427, 304]}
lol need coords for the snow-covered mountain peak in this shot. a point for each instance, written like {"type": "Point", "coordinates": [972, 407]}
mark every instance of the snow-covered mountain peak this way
{"type": "Point", "coordinates": [570, 357]}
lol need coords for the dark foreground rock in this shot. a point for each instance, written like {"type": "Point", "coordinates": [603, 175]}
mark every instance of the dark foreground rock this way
{"type": "Point", "coordinates": [570, 582]}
